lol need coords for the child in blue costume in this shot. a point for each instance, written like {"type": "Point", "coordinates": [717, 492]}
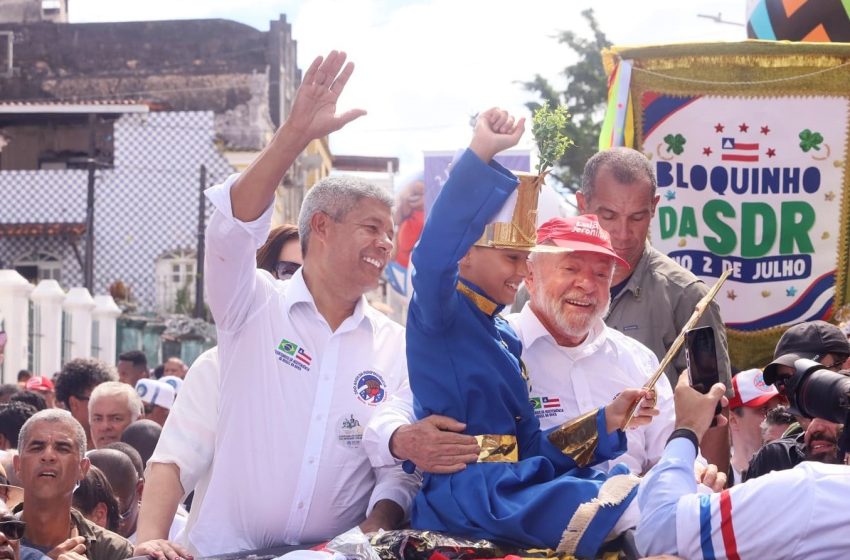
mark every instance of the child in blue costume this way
{"type": "Point", "coordinates": [463, 362]}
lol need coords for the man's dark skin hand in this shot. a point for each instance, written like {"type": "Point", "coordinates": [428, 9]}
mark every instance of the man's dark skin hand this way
{"type": "Point", "coordinates": [435, 445]}
{"type": "Point", "coordinates": [386, 515]}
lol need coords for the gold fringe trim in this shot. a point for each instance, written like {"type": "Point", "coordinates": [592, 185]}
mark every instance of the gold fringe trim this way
{"type": "Point", "coordinates": [613, 492]}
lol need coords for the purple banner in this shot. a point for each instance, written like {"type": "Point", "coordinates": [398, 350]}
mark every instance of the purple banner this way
{"type": "Point", "coordinates": [439, 164]}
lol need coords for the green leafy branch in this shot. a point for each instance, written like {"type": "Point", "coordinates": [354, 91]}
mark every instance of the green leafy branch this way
{"type": "Point", "coordinates": [549, 130]}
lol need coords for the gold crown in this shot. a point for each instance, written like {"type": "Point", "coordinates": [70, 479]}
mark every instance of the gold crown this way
{"type": "Point", "coordinates": [521, 231]}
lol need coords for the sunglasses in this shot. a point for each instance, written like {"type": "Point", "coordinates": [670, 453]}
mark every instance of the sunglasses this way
{"type": "Point", "coordinates": [13, 529]}
{"type": "Point", "coordinates": [285, 269]}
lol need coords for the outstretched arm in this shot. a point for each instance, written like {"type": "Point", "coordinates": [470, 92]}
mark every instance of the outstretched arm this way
{"type": "Point", "coordinates": [313, 116]}
{"type": "Point", "coordinates": [475, 192]}
{"type": "Point", "coordinates": [243, 204]}
{"type": "Point", "coordinates": [672, 479]}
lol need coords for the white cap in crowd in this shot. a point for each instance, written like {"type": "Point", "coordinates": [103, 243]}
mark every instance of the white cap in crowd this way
{"type": "Point", "coordinates": [156, 392]}
{"type": "Point", "coordinates": [174, 381]}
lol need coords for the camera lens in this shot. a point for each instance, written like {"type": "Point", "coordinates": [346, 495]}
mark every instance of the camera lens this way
{"type": "Point", "coordinates": [823, 394]}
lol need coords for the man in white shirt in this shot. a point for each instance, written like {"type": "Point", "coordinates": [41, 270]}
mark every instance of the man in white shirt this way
{"type": "Point", "coordinates": [796, 513]}
{"type": "Point", "coordinates": [182, 459]}
{"type": "Point", "coordinates": [304, 363]}
{"type": "Point", "coordinates": [575, 362]}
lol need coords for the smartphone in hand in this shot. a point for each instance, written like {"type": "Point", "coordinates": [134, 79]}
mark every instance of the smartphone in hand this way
{"type": "Point", "coordinates": [701, 354]}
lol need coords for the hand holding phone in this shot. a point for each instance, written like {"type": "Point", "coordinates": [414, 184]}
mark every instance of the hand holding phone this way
{"type": "Point", "coordinates": [701, 355]}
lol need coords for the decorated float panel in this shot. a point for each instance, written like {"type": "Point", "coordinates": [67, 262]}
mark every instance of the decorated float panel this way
{"type": "Point", "coordinates": [749, 142]}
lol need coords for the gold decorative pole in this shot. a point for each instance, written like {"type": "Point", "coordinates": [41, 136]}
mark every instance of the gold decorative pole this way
{"type": "Point", "coordinates": [680, 339]}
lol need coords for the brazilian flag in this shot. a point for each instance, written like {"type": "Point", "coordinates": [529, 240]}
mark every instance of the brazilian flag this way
{"type": "Point", "coordinates": [287, 347]}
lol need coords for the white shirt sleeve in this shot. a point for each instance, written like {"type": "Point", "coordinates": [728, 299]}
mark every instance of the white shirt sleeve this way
{"type": "Point", "coordinates": [658, 496]}
{"type": "Point", "coordinates": [392, 483]}
{"type": "Point", "coordinates": [750, 520]}
{"type": "Point", "coordinates": [188, 437]}
{"type": "Point", "coordinates": [230, 265]}
{"type": "Point", "coordinates": [397, 411]}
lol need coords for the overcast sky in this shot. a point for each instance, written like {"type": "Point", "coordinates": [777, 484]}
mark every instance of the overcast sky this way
{"type": "Point", "coordinates": [424, 66]}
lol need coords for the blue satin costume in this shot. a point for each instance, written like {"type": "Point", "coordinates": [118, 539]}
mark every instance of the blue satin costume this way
{"type": "Point", "coordinates": [464, 363]}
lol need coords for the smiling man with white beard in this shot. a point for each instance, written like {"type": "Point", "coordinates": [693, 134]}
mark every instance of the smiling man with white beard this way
{"type": "Point", "coordinates": [575, 363]}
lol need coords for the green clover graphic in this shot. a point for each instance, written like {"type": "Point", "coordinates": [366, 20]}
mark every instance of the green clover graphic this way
{"type": "Point", "coordinates": [675, 144]}
{"type": "Point", "coordinates": [810, 140]}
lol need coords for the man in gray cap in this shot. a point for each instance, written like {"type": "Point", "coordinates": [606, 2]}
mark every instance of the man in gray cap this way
{"type": "Point", "coordinates": [816, 439]}
{"type": "Point", "coordinates": [815, 340]}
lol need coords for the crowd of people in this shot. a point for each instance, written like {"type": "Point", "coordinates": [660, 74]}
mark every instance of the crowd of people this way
{"type": "Point", "coordinates": [317, 415]}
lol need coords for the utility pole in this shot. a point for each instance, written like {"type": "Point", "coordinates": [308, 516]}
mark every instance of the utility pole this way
{"type": "Point", "coordinates": [91, 164]}
{"type": "Point", "coordinates": [199, 265]}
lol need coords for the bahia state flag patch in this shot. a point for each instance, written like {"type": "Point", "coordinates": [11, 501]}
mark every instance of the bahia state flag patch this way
{"type": "Point", "coordinates": [546, 406]}
{"type": "Point", "coordinates": [293, 355]}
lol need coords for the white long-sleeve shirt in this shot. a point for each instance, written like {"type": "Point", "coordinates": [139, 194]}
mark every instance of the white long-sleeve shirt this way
{"type": "Point", "coordinates": [188, 437]}
{"type": "Point", "coordinates": [567, 382]}
{"type": "Point", "coordinates": [288, 466]}
{"type": "Point", "coordinates": [796, 513]}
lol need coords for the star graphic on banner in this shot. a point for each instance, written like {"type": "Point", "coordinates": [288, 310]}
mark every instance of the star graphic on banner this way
{"type": "Point", "coordinates": [670, 195]}
{"type": "Point", "coordinates": [829, 197]}
{"type": "Point", "coordinates": [731, 294]}
{"type": "Point", "coordinates": [706, 151]}
{"type": "Point", "coordinates": [743, 127]}
{"type": "Point", "coordinates": [791, 292]}
{"type": "Point", "coordinates": [770, 152]}
{"type": "Point", "coordinates": [718, 127]}
{"type": "Point", "coordinates": [765, 130]}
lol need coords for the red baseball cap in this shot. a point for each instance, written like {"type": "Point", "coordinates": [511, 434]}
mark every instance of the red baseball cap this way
{"type": "Point", "coordinates": [39, 383]}
{"type": "Point", "coordinates": [751, 390]}
{"type": "Point", "coordinates": [576, 233]}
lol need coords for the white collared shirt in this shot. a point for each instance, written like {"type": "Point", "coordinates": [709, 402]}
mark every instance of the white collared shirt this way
{"type": "Point", "coordinates": [295, 397]}
{"type": "Point", "coordinates": [188, 437]}
{"type": "Point", "coordinates": [569, 381]}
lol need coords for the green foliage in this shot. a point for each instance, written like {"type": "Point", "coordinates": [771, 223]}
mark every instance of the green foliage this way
{"type": "Point", "coordinates": [550, 134]}
{"type": "Point", "coordinates": [585, 94]}
{"type": "Point", "coordinates": [184, 304]}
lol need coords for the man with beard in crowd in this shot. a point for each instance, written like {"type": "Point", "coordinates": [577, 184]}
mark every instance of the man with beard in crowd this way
{"type": "Point", "coordinates": [824, 343]}
{"type": "Point", "coordinates": [796, 513]}
{"type": "Point", "coordinates": [575, 362]}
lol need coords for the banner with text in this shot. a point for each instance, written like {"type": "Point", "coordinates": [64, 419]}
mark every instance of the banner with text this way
{"type": "Point", "coordinates": [749, 142]}
{"type": "Point", "coordinates": [751, 184]}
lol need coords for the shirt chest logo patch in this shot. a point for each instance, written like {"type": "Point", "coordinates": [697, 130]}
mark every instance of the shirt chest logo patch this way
{"type": "Point", "coordinates": [349, 431]}
{"type": "Point", "coordinates": [546, 407]}
{"type": "Point", "coordinates": [293, 355]}
{"type": "Point", "coordinates": [370, 388]}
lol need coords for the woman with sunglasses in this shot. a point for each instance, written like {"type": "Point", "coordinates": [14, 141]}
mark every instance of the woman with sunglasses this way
{"type": "Point", "coordinates": [281, 253]}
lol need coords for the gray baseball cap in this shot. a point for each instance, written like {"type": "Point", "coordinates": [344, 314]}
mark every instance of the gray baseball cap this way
{"type": "Point", "coordinates": [811, 340]}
